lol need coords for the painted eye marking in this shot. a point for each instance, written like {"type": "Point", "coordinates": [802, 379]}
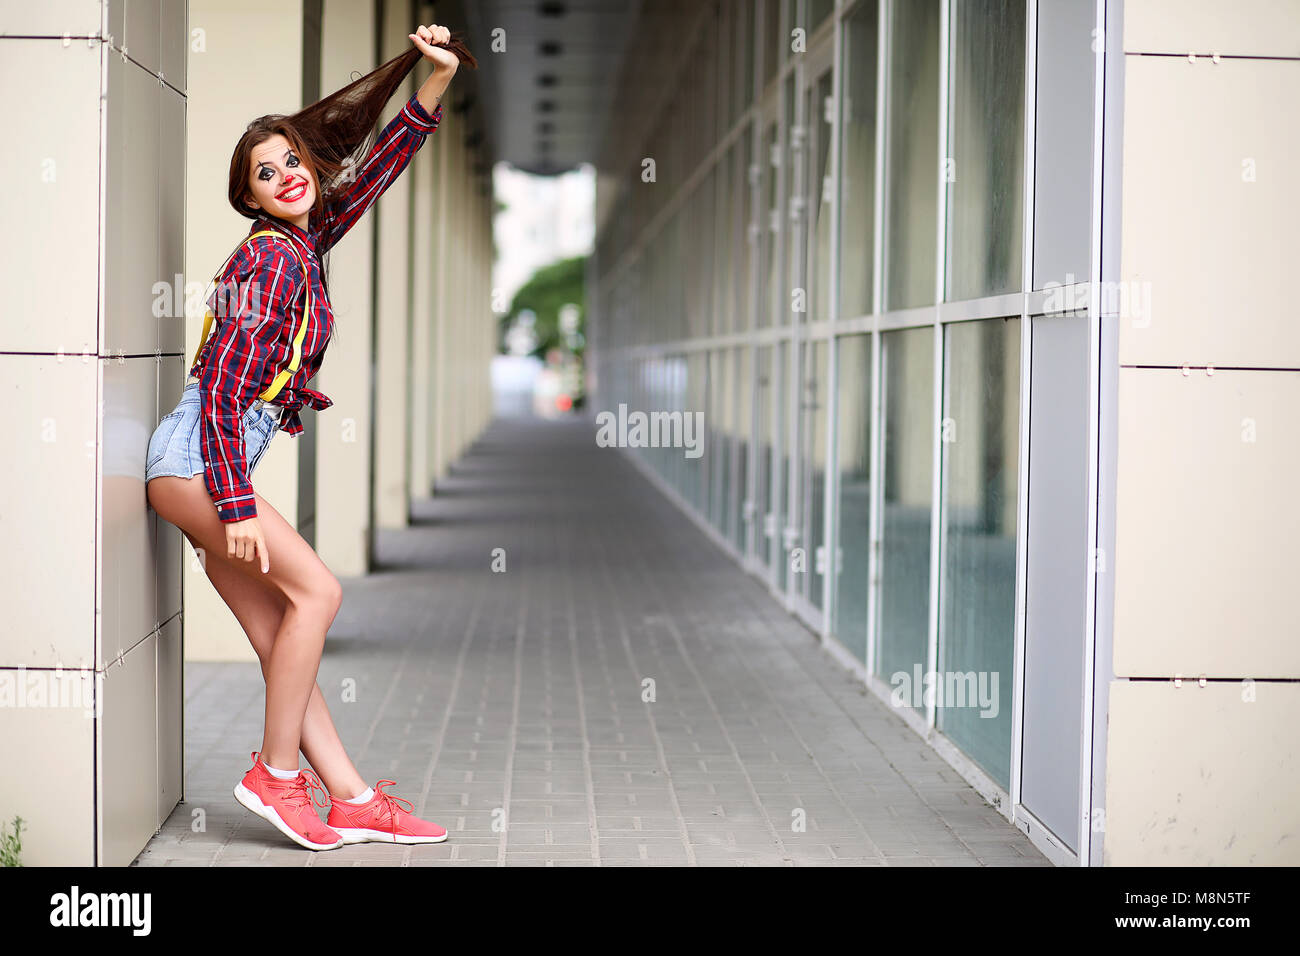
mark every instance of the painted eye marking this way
{"type": "Point", "coordinates": [265, 172]}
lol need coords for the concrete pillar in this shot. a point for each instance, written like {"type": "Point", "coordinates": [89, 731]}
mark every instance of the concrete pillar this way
{"type": "Point", "coordinates": [393, 318]}
{"type": "Point", "coordinates": [441, 272]}
{"type": "Point", "coordinates": [343, 436]}
{"type": "Point", "coordinates": [422, 295]}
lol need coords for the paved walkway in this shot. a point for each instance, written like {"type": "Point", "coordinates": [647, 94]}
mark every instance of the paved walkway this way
{"type": "Point", "coordinates": [509, 705]}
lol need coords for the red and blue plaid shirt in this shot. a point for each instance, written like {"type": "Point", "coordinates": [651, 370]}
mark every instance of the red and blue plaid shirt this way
{"type": "Point", "coordinates": [263, 299]}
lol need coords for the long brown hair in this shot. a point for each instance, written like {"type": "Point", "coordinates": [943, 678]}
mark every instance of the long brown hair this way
{"type": "Point", "coordinates": [333, 134]}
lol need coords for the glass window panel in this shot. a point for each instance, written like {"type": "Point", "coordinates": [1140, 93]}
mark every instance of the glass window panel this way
{"type": "Point", "coordinates": [911, 180]}
{"type": "Point", "coordinates": [773, 39]}
{"type": "Point", "coordinates": [819, 210]}
{"type": "Point", "coordinates": [769, 229]}
{"type": "Point", "coordinates": [794, 231]}
{"type": "Point", "coordinates": [986, 143]}
{"type": "Point", "coordinates": [674, 374]}
{"type": "Point", "coordinates": [818, 10]}
{"type": "Point", "coordinates": [721, 431]}
{"type": "Point", "coordinates": [724, 242]}
{"type": "Point", "coordinates": [903, 624]}
{"type": "Point", "coordinates": [655, 401]}
{"type": "Point", "coordinates": [716, 75]}
{"type": "Point", "coordinates": [672, 378]}
{"type": "Point", "coordinates": [702, 221]}
{"type": "Point", "coordinates": [740, 454]}
{"type": "Point", "coordinates": [764, 429]}
{"type": "Point", "coordinates": [677, 401]}
{"type": "Point", "coordinates": [681, 287]}
{"type": "Point", "coordinates": [813, 431]}
{"type": "Point", "coordinates": [698, 401]}
{"type": "Point", "coordinates": [853, 454]}
{"type": "Point", "coordinates": [781, 467]}
{"type": "Point", "coordinates": [857, 172]}
{"type": "Point", "coordinates": [978, 588]}
{"type": "Point", "coordinates": [746, 96]}
{"type": "Point", "coordinates": [743, 150]}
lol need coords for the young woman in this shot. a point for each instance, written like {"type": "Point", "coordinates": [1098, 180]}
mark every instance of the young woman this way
{"type": "Point", "coordinates": [304, 180]}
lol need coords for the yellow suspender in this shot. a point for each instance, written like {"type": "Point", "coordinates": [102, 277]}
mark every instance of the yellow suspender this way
{"type": "Point", "coordinates": [285, 374]}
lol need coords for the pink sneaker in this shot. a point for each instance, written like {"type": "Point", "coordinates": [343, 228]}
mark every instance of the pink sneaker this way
{"type": "Point", "coordinates": [381, 820]}
{"type": "Point", "coordinates": [287, 805]}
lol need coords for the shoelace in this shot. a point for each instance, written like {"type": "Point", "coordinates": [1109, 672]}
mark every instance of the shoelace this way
{"type": "Point", "coordinates": [301, 791]}
{"type": "Point", "coordinates": [307, 786]}
{"type": "Point", "coordinates": [389, 802]}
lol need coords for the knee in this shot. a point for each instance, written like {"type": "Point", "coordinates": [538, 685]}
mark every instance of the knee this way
{"type": "Point", "coordinates": [323, 596]}
{"type": "Point", "coordinates": [333, 595]}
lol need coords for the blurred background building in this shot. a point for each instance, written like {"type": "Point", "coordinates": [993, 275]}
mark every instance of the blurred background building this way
{"type": "Point", "coordinates": [983, 305]}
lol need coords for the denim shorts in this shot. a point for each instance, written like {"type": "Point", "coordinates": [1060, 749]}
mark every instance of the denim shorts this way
{"type": "Point", "coordinates": [176, 446]}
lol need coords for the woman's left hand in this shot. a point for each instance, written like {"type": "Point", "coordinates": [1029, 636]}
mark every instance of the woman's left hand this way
{"type": "Point", "coordinates": [425, 37]}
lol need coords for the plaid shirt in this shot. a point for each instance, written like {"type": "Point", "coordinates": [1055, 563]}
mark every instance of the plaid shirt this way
{"type": "Point", "coordinates": [262, 290]}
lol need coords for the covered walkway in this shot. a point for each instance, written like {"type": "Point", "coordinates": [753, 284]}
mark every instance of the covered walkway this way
{"type": "Point", "coordinates": [620, 693]}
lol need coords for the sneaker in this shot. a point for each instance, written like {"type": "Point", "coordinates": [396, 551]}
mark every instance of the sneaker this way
{"type": "Point", "coordinates": [287, 805]}
{"type": "Point", "coordinates": [381, 820]}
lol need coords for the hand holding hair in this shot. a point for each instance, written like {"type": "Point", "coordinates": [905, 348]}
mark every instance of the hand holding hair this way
{"type": "Point", "coordinates": [440, 48]}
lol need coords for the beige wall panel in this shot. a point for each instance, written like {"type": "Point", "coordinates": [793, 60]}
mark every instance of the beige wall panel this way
{"type": "Point", "coordinates": [1205, 545]}
{"type": "Point", "coordinates": [128, 756]}
{"type": "Point", "coordinates": [59, 815]}
{"type": "Point", "coordinates": [52, 18]}
{"type": "Point", "coordinates": [170, 719]}
{"type": "Point", "coordinates": [167, 537]}
{"type": "Point", "coordinates": [169, 328]}
{"type": "Point", "coordinates": [134, 108]}
{"type": "Point", "coordinates": [128, 576]}
{"type": "Point", "coordinates": [48, 490]}
{"type": "Point", "coordinates": [1209, 251]}
{"type": "Point", "coordinates": [174, 40]}
{"type": "Point", "coordinates": [1182, 790]}
{"type": "Point", "coordinates": [1241, 28]}
{"type": "Point", "coordinates": [51, 176]}
{"type": "Point", "coordinates": [142, 23]}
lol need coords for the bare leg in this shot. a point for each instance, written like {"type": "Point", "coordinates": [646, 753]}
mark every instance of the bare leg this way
{"type": "Point", "coordinates": [296, 600]}
{"type": "Point", "coordinates": [260, 610]}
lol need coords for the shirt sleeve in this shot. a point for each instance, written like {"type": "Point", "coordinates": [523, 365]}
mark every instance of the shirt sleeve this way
{"type": "Point", "coordinates": [261, 287]}
{"type": "Point", "coordinates": [393, 151]}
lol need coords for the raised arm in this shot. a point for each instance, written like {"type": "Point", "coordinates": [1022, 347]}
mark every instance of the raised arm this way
{"type": "Point", "coordinates": [393, 151]}
{"type": "Point", "coordinates": [269, 281]}
{"type": "Point", "coordinates": [396, 144]}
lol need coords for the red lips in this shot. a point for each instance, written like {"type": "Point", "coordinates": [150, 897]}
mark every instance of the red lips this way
{"type": "Point", "coordinates": [299, 185]}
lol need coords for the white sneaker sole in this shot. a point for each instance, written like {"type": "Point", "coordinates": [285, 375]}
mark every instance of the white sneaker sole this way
{"type": "Point", "coordinates": [362, 835]}
{"type": "Point", "coordinates": [253, 802]}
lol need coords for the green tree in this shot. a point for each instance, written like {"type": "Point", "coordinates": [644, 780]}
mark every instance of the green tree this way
{"type": "Point", "coordinates": [550, 287]}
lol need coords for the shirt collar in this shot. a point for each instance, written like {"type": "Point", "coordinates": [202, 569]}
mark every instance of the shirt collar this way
{"type": "Point", "coordinates": [305, 237]}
